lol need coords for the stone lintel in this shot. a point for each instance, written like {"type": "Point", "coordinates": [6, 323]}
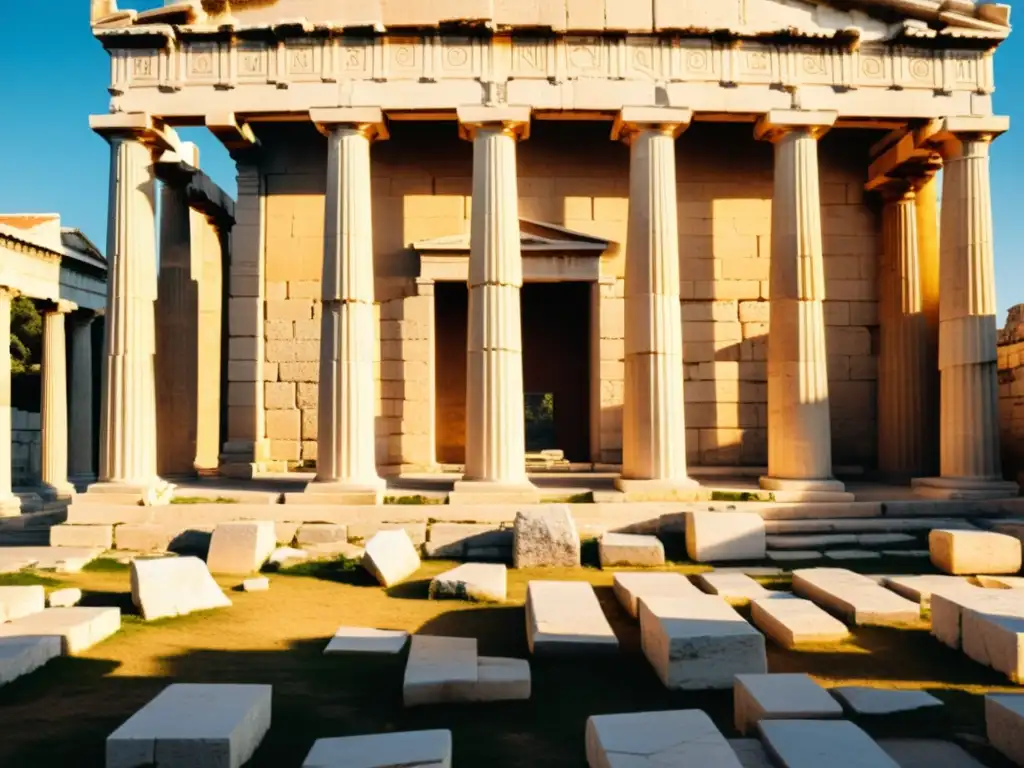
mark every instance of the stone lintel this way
{"type": "Point", "coordinates": [632, 119]}
{"type": "Point", "coordinates": [968, 127]}
{"type": "Point", "coordinates": [904, 164]}
{"type": "Point", "coordinates": [60, 306]}
{"type": "Point", "coordinates": [778, 122]}
{"type": "Point", "coordinates": [515, 120]}
{"type": "Point", "coordinates": [138, 125]}
{"type": "Point", "coordinates": [234, 134]}
{"type": "Point", "coordinates": [368, 119]}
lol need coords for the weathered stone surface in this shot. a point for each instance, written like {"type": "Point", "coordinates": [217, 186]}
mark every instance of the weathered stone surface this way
{"type": "Point", "coordinates": [735, 588]}
{"type": "Point", "coordinates": [927, 753]}
{"type": "Point", "coordinates": [241, 546]}
{"type": "Point", "coordinates": [335, 549]}
{"type": "Point", "coordinates": [817, 743]}
{"type": "Point", "coordinates": [207, 726]}
{"type": "Point", "coordinates": [861, 700]}
{"type": "Point", "coordinates": [565, 616]}
{"type": "Point", "coordinates": [366, 640]}
{"type": "Point", "coordinates": [440, 669]}
{"type": "Point", "coordinates": [920, 588]}
{"type": "Point", "coordinates": [750, 753]}
{"type": "Point", "coordinates": [970, 552]}
{"type": "Point", "coordinates": [174, 586]}
{"type": "Point", "coordinates": [501, 679]}
{"type": "Point", "coordinates": [627, 549]}
{"type": "Point", "coordinates": [631, 587]}
{"type": "Point", "coordinates": [145, 537]}
{"type": "Point", "coordinates": [1004, 724]}
{"type": "Point", "coordinates": [423, 749]}
{"type": "Point", "coordinates": [545, 537]}
{"type": "Point", "coordinates": [797, 541]}
{"type": "Point", "coordinates": [779, 697]}
{"type": "Point", "coordinates": [482, 582]}
{"type": "Point", "coordinates": [258, 584]}
{"type": "Point", "coordinates": [853, 597]}
{"type": "Point", "coordinates": [996, 639]}
{"type": "Point", "coordinates": [78, 628]}
{"type": "Point", "coordinates": [391, 557]}
{"type": "Point", "coordinates": [21, 655]}
{"type": "Point", "coordinates": [282, 557]}
{"type": "Point", "coordinates": [793, 556]}
{"type": "Point", "coordinates": [16, 602]}
{"type": "Point", "coordinates": [852, 554]}
{"type": "Point", "coordinates": [793, 622]}
{"type": "Point", "coordinates": [64, 598]}
{"type": "Point", "coordinates": [1000, 582]}
{"type": "Point", "coordinates": [699, 642]}
{"type": "Point", "coordinates": [360, 531]}
{"type": "Point", "coordinates": [82, 536]}
{"type": "Point", "coordinates": [320, 533]}
{"type": "Point", "coordinates": [948, 607]}
{"type": "Point", "coordinates": [655, 739]}
{"type": "Point", "coordinates": [460, 540]}
{"type": "Point", "coordinates": [721, 536]}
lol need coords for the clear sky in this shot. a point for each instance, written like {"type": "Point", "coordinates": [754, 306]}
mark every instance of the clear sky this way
{"type": "Point", "coordinates": [54, 74]}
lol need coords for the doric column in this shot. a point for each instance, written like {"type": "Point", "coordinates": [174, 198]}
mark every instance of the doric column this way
{"type": "Point", "coordinates": [81, 442]}
{"type": "Point", "coordinates": [653, 420]}
{"type": "Point", "coordinates": [346, 441]}
{"type": "Point", "coordinates": [10, 505]}
{"type": "Point", "coordinates": [55, 403]}
{"type": "Point", "coordinates": [799, 427]}
{"type": "Point", "coordinates": [495, 418]}
{"type": "Point", "coordinates": [969, 414]}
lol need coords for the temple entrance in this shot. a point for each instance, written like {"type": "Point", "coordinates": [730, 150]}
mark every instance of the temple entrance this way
{"type": "Point", "coordinates": [556, 368]}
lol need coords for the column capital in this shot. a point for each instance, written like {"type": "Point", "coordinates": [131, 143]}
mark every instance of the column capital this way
{"type": "Point", "coordinates": [236, 135]}
{"type": "Point", "coordinates": [60, 307]}
{"type": "Point", "coordinates": [940, 133]}
{"type": "Point", "coordinates": [137, 126]}
{"type": "Point", "coordinates": [775, 124]}
{"type": "Point", "coordinates": [671, 121]}
{"type": "Point", "coordinates": [9, 293]}
{"type": "Point", "coordinates": [514, 121]}
{"type": "Point", "coordinates": [367, 120]}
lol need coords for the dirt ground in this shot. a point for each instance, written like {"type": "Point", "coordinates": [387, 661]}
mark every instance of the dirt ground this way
{"type": "Point", "coordinates": [61, 715]}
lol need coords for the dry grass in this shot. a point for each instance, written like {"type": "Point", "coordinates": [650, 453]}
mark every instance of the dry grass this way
{"type": "Point", "coordinates": [62, 714]}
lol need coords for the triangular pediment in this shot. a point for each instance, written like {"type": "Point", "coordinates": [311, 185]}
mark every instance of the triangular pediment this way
{"type": "Point", "coordinates": [534, 236]}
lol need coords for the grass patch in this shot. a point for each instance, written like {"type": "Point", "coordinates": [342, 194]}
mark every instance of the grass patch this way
{"type": "Point", "coordinates": [414, 500]}
{"type": "Point", "coordinates": [105, 565]}
{"type": "Point", "coordinates": [341, 569]}
{"type": "Point", "coordinates": [742, 496]}
{"type": "Point", "coordinates": [203, 500]}
{"type": "Point", "coordinates": [28, 579]}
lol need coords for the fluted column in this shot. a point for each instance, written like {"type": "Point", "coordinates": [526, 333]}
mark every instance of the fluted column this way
{"type": "Point", "coordinates": [346, 442]}
{"type": "Point", "coordinates": [55, 403]}
{"type": "Point", "coordinates": [970, 464]}
{"type": "Point", "coordinates": [10, 504]}
{"type": "Point", "coordinates": [653, 420]}
{"type": "Point", "coordinates": [799, 426]}
{"type": "Point", "coordinates": [495, 417]}
{"type": "Point", "coordinates": [81, 445]}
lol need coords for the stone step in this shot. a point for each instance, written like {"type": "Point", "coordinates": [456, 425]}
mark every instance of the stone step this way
{"type": "Point", "coordinates": [867, 525]}
{"type": "Point", "coordinates": [818, 541]}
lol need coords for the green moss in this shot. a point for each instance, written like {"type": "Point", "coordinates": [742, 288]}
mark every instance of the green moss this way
{"type": "Point", "coordinates": [203, 500]}
{"type": "Point", "coordinates": [741, 496]}
{"type": "Point", "coordinates": [412, 500]}
{"type": "Point", "coordinates": [105, 565]}
{"type": "Point", "coordinates": [28, 579]}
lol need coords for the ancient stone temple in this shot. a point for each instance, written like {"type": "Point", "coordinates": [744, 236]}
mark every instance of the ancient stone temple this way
{"type": "Point", "coordinates": [687, 234]}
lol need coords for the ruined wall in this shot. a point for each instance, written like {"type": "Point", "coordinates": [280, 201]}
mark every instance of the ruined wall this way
{"type": "Point", "coordinates": [1010, 360]}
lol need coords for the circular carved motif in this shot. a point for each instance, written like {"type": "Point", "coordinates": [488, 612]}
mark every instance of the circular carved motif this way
{"type": "Point", "coordinates": [814, 65]}
{"type": "Point", "coordinates": [457, 57]}
{"type": "Point", "coordinates": [757, 61]}
{"type": "Point", "coordinates": [202, 64]}
{"type": "Point", "coordinates": [871, 67]}
{"type": "Point", "coordinates": [920, 69]}
{"type": "Point", "coordinates": [583, 57]}
{"type": "Point", "coordinates": [405, 56]}
{"type": "Point", "coordinates": [697, 60]}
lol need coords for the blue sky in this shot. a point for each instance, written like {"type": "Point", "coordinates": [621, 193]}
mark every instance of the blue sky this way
{"type": "Point", "coordinates": [55, 75]}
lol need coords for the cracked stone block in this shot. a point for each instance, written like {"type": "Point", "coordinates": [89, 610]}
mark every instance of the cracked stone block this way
{"type": "Point", "coordinates": [241, 546]}
{"type": "Point", "coordinates": [630, 550]}
{"type": "Point", "coordinates": [1004, 724]}
{"type": "Point", "coordinates": [391, 557]}
{"type": "Point", "coordinates": [480, 582]}
{"type": "Point", "coordinates": [423, 749]}
{"type": "Point", "coordinates": [545, 537]}
{"type": "Point", "coordinates": [920, 588]}
{"type": "Point", "coordinates": [817, 743]}
{"type": "Point", "coordinates": [174, 586]}
{"type": "Point", "coordinates": [631, 587]}
{"type": "Point", "coordinates": [735, 588]}
{"type": "Point", "coordinates": [970, 552]}
{"type": "Point", "coordinates": [656, 739]}
{"type": "Point", "coordinates": [780, 697]}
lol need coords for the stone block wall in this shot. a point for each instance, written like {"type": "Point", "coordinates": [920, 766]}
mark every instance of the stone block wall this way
{"type": "Point", "coordinates": [1010, 359]}
{"type": "Point", "coordinates": [26, 448]}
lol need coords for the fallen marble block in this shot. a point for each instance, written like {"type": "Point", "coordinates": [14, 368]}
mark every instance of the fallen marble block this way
{"type": "Point", "coordinates": [1000, 582]}
{"type": "Point", "coordinates": [207, 726]}
{"type": "Point", "coordinates": [699, 643]}
{"type": "Point", "coordinates": [630, 550]}
{"type": "Point", "coordinates": [16, 602]}
{"type": "Point", "coordinates": [685, 737]}
{"type": "Point", "coordinates": [821, 744]}
{"type": "Point", "coordinates": [995, 640]}
{"type": "Point", "coordinates": [793, 622]}
{"type": "Point", "coordinates": [391, 557]}
{"type": "Point", "coordinates": [970, 552]}
{"type": "Point", "coordinates": [422, 749]}
{"type": "Point", "coordinates": [565, 616]}
{"type": "Point", "coordinates": [241, 546]}
{"type": "Point", "coordinates": [927, 753]}
{"type": "Point", "coordinates": [948, 609]}
{"type": "Point", "coordinates": [500, 679]}
{"type": "Point", "coordinates": [853, 597]}
{"type": "Point", "coordinates": [22, 655]}
{"type": "Point", "coordinates": [285, 557]}
{"type": "Point", "coordinates": [780, 697]}
{"type": "Point", "coordinates": [750, 753]}
{"type": "Point", "coordinates": [717, 536]}
{"type": "Point", "coordinates": [78, 628]}
{"type": "Point", "coordinates": [174, 586]}
{"type": "Point", "coordinates": [259, 584]}
{"type": "Point", "coordinates": [861, 700]}
{"type": "Point", "coordinates": [735, 588]}
{"type": "Point", "coordinates": [920, 588]}
{"type": "Point", "coordinates": [480, 582]}
{"type": "Point", "coordinates": [320, 533]}
{"type": "Point", "coordinates": [440, 669]}
{"type": "Point", "coordinates": [545, 537]}
{"type": "Point", "coordinates": [366, 640]}
{"type": "Point", "coordinates": [631, 587]}
{"type": "Point", "coordinates": [64, 598]}
{"type": "Point", "coordinates": [1004, 724]}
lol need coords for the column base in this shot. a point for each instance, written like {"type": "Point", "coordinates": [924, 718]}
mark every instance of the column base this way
{"type": "Point", "coordinates": [157, 493]}
{"type": "Point", "coordinates": [487, 492]}
{"type": "Point", "coordinates": [810, 489]}
{"type": "Point", "coordinates": [340, 492]}
{"type": "Point", "coordinates": [963, 488]}
{"type": "Point", "coordinates": [54, 491]}
{"type": "Point", "coordinates": [10, 505]}
{"type": "Point", "coordinates": [685, 489]}
{"type": "Point", "coordinates": [81, 482]}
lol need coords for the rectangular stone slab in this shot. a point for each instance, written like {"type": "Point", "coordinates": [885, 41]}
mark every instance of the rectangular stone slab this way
{"type": "Point", "coordinates": [699, 643]}
{"type": "Point", "coordinates": [565, 616]}
{"type": "Point", "coordinates": [780, 697]}
{"type": "Point", "coordinates": [201, 726]}
{"type": "Point", "coordinates": [422, 749]}
{"type": "Point", "coordinates": [174, 586]}
{"type": "Point", "coordinates": [997, 641]}
{"type": "Point", "coordinates": [480, 582]}
{"type": "Point", "coordinates": [630, 587]}
{"type": "Point", "coordinates": [501, 679]}
{"type": "Point", "coordinates": [684, 737]}
{"type": "Point", "coordinates": [440, 669]}
{"type": "Point", "coordinates": [630, 550]}
{"type": "Point", "coordinates": [78, 628]}
{"type": "Point", "coordinates": [735, 588]}
{"type": "Point", "coordinates": [949, 606]}
{"type": "Point", "coordinates": [722, 536]}
{"type": "Point", "coordinates": [1004, 724]}
{"type": "Point", "coordinates": [391, 557]}
{"type": "Point", "coordinates": [241, 546]}
{"type": "Point", "coordinates": [853, 597]}
{"type": "Point", "coordinates": [969, 552]}
{"type": "Point", "coordinates": [920, 588]}
{"type": "Point", "coordinates": [16, 602]}
{"type": "Point", "coordinates": [367, 640]}
{"type": "Point", "coordinates": [21, 655]}
{"type": "Point", "coordinates": [821, 744]}
{"type": "Point", "coordinates": [792, 622]}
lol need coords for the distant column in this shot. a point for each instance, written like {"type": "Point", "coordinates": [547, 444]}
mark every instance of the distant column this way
{"type": "Point", "coordinates": [55, 403]}
{"type": "Point", "coordinates": [81, 448]}
{"type": "Point", "coordinates": [10, 505]}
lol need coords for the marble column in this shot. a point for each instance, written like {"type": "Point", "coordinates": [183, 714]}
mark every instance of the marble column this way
{"type": "Point", "coordinates": [653, 419]}
{"type": "Point", "coordinates": [10, 505]}
{"type": "Point", "coordinates": [346, 438]}
{"type": "Point", "coordinates": [80, 418]}
{"type": "Point", "coordinates": [799, 426]}
{"type": "Point", "coordinates": [495, 416]}
{"type": "Point", "coordinates": [906, 374]}
{"type": "Point", "coordinates": [55, 403]}
{"type": "Point", "coordinates": [970, 465]}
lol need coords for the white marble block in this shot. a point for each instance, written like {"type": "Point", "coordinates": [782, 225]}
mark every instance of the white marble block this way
{"type": "Point", "coordinates": [440, 669]}
{"type": "Point", "coordinates": [735, 588]}
{"type": "Point", "coordinates": [16, 602]}
{"type": "Point", "coordinates": [780, 697]}
{"type": "Point", "coordinates": [949, 606]}
{"type": "Point", "coordinates": [631, 587]}
{"type": "Point", "coordinates": [391, 557]}
{"type": "Point", "coordinates": [718, 536]}
{"type": "Point", "coordinates": [78, 628]}
{"type": "Point", "coordinates": [21, 655]}
{"type": "Point", "coordinates": [970, 552]}
{"type": "Point", "coordinates": [793, 622]}
{"type": "Point", "coordinates": [821, 744]}
{"type": "Point", "coordinates": [699, 643]}
{"type": "Point", "coordinates": [500, 679]}
{"type": "Point", "coordinates": [545, 537]}
{"type": "Point", "coordinates": [64, 598]}
{"type": "Point", "coordinates": [861, 700]}
{"type": "Point", "coordinates": [366, 640]}
{"type": "Point", "coordinates": [480, 582]}
{"type": "Point", "coordinates": [1004, 724]}
{"type": "Point", "coordinates": [257, 584]}
{"type": "Point", "coordinates": [853, 597]}
{"type": "Point", "coordinates": [565, 616]}
{"type": "Point", "coordinates": [920, 588]}
{"type": "Point", "coordinates": [174, 586]}
{"type": "Point", "coordinates": [630, 550]}
{"type": "Point", "coordinates": [65, 535]}
{"type": "Point", "coordinates": [655, 739]}
{"type": "Point", "coordinates": [423, 749]}
{"type": "Point", "coordinates": [995, 640]}
{"type": "Point", "coordinates": [200, 726]}
{"type": "Point", "coordinates": [241, 546]}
